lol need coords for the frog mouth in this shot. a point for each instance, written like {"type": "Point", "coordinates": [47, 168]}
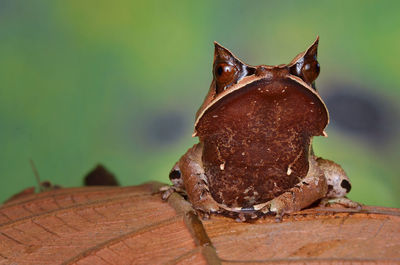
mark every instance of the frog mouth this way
{"type": "Point", "coordinates": [249, 80]}
{"type": "Point", "coordinates": [277, 102]}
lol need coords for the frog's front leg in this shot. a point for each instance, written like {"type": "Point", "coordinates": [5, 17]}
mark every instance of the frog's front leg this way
{"type": "Point", "coordinates": [338, 184]}
{"type": "Point", "coordinates": [188, 175]}
{"type": "Point", "coordinates": [310, 189]}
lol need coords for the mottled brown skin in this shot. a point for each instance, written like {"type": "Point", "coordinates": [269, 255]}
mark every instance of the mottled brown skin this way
{"type": "Point", "coordinates": [255, 129]}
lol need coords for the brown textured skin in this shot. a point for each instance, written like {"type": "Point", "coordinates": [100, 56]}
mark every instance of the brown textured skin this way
{"type": "Point", "coordinates": [194, 181]}
{"type": "Point", "coordinates": [255, 134]}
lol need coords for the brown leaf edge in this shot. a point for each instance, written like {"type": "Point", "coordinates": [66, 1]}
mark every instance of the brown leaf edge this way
{"type": "Point", "coordinates": [198, 231]}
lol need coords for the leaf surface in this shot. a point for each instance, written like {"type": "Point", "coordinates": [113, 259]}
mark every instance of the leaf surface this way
{"type": "Point", "coordinates": [132, 225]}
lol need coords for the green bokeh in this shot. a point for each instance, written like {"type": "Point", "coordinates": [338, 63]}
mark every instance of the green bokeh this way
{"type": "Point", "coordinates": [83, 82]}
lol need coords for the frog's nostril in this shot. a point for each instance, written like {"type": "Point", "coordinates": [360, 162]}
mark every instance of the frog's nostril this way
{"type": "Point", "coordinates": [260, 70]}
{"type": "Point", "coordinates": [250, 70]}
{"type": "Point", "coordinates": [345, 184]}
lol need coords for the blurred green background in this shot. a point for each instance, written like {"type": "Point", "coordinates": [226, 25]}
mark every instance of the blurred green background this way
{"type": "Point", "coordinates": [119, 82]}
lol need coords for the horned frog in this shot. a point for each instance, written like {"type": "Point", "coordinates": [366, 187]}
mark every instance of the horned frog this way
{"type": "Point", "coordinates": [255, 130]}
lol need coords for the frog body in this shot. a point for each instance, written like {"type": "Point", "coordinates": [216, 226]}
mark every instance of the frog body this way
{"type": "Point", "coordinates": [255, 131]}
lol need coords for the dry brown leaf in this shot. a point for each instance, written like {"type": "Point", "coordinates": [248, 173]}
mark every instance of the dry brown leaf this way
{"type": "Point", "coordinates": [132, 225]}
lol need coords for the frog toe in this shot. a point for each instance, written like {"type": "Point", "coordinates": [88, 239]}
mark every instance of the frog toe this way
{"type": "Point", "coordinates": [275, 208]}
{"type": "Point", "coordinates": [207, 205]}
{"type": "Point", "coordinates": [343, 201]}
{"type": "Point", "coordinates": [166, 191]}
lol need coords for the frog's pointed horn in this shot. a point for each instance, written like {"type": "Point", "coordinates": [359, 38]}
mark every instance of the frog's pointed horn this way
{"type": "Point", "coordinates": [222, 53]}
{"type": "Point", "coordinates": [305, 65]}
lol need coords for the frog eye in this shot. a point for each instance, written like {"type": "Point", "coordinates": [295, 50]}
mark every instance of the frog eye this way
{"type": "Point", "coordinates": [227, 69]}
{"type": "Point", "coordinates": [224, 74]}
{"type": "Point", "coordinates": [310, 70]}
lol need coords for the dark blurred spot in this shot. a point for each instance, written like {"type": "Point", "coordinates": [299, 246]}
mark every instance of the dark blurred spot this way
{"type": "Point", "coordinates": [163, 128]}
{"type": "Point", "coordinates": [7, 6]}
{"type": "Point", "coordinates": [345, 185]}
{"type": "Point", "coordinates": [47, 185]}
{"type": "Point", "coordinates": [330, 187]}
{"type": "Point", "coordinates": [100, 176]}
{"type": "Point", "coordinates": [361, 113]}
